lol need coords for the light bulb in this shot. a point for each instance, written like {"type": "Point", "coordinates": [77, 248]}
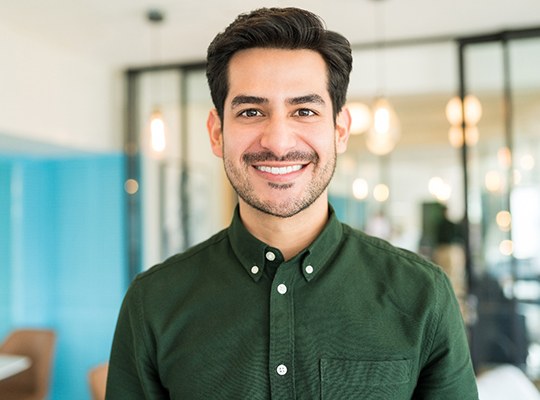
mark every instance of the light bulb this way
{"type": "Point", "coordinates": [504, 220]}
{"type": "Point", "coordinates": [381, 120]}
{"type": "Point", "coordinates": [527, 162]}
{"type": "Point", "coordinates": [381, 192]}
{"type": "Point", "coordinates": [385, 130]}
{"type": "Point", "coordinates": [455, 136]}
{"type": "Point", "coordinates": [439, 188]}
{"type": "Point", "coordinates": [360, 188]}
{"type": "Point", "coordinates": [157, 132]}
{"type": "Point", "coordinates": [360, 117]}
{"type": "Point", "coordinates": [453, 111]}
{"type": "Point", "coordinates": [473, 110]}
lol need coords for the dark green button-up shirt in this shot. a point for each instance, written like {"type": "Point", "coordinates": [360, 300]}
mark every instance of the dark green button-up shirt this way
{"type": "Point", "coordinates": [350, 317]}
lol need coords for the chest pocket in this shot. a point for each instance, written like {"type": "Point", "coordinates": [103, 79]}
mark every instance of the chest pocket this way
{"type": "Point", "coordinates": [365, 380]}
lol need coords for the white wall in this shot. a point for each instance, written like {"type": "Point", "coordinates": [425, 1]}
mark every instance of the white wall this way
{"type": "Point", "coordinates": [51, 95]}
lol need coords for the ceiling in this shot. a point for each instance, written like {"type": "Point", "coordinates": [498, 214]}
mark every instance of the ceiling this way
{"type": "Point", "coordinates": [117, 32]}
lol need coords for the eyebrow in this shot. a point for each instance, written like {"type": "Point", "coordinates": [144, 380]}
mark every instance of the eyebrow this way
{"type": "Point", "coordinates": [242, 99]}
{"type": "Point", "coordinates": [310, 98]}
{"type": "Point", "coordinates": [307, 99]}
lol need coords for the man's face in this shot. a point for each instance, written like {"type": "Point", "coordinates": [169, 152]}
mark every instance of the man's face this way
{"type": "Point", "coordinates": [278, 139]}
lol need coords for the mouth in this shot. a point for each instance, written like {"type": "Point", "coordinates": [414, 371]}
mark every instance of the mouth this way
{"type": "Point", "coordinates": [279, 170]}
{"type": "Point", "coordinates": [269, 163]}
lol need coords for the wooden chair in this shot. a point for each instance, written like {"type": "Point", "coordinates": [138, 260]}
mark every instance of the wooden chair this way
{"type": "Point", "coordinates": [97, 380]}
{"type": "Point", "coordinates": [33, 383]}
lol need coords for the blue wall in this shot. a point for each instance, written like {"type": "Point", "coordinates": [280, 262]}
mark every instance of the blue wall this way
{"type": "Point", "coordinates": [64, 265]}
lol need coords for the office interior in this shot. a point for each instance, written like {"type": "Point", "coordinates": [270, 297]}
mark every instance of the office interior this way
{"type": "Point", "coordinates": [87, 200]}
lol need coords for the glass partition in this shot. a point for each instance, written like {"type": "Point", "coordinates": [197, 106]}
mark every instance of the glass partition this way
{"type": "Point", "coordinates": [504, 200]}
{"type": "Point", "coordinates": [177, 196]}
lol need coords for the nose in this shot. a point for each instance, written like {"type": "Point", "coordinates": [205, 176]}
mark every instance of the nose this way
{"type": "Point", "coordinates": [278, 136]}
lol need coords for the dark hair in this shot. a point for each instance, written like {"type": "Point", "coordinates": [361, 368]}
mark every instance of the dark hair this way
{"type": "Point", "coordinates": [282, 28]}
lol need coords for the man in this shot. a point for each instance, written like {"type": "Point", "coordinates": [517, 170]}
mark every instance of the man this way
{"type": "Point", "coordinates": [287, 303]}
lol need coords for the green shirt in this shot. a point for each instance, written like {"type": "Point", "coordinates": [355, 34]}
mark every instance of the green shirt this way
{"type": "Point", "coordinates": [350, 317]}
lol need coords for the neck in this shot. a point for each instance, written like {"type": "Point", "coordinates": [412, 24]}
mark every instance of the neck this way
{"type": "Point", "coordinates": [289, 235]}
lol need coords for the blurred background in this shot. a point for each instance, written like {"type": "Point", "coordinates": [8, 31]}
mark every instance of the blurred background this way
{"type": "Point", "coordinates": [105, 167]}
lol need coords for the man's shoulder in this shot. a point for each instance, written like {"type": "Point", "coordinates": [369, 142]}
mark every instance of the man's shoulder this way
{"type": "Point", "coordinates": [411, 284]}
{"type": "Point", "coordinates": [396, 265]}
{"type": "Point", "coordinates": [190, 259]}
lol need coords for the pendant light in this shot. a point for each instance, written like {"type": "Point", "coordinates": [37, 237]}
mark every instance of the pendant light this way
{"type": "Point", "coordinates": [472, 108]}
{"type": "Point", "coordinates": [385, 130]}
{"type": "Point", "coordinates": [157, 129]}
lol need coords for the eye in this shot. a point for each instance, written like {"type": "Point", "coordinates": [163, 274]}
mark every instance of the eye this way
{"type": "Point", "coordinates": [250, 113]}
{"type": "Point", "coordinates": [305, 112]}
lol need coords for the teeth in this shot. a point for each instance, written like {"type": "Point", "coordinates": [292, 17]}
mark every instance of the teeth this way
{"type": "Point", "coordinates": [279, 170]}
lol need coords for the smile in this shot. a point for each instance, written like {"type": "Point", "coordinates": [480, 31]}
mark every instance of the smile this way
{"type": "Point", "coordinates": [279, 170]}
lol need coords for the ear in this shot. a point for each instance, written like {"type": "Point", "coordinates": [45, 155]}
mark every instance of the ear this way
{"type": "Point", "coordinates": [343, 129]}
{"type": "Point", "coordinates": [213, 125]}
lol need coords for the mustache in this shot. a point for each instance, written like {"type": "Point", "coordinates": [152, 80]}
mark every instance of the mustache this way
{"type": "Point", "coordinates": [294, 156]}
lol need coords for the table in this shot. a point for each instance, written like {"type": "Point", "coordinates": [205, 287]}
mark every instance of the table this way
{"type": "Point", "coordinates": [11, 364]}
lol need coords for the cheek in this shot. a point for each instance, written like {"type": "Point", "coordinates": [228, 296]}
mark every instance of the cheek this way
{"type": "Point", "coordinates": [239, 143]}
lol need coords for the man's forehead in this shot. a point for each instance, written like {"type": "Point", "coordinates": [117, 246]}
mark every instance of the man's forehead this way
{"type": "Point", "coordinates": [259, 75]}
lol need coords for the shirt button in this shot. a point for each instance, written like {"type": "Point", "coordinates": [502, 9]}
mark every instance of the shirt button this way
{"type": "Point", "coordinates": [270, 256]}
{"type": "Point", "coordinates": [281, 369]}
{"type": "Point", "coordinates": [282, 289]}
{"type": "Point", "coordinates": [254, 270]}
{"type": "Point", "coordinates": [309, 269]}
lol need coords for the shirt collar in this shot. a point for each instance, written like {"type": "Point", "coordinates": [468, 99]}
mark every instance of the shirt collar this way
{"type": "Point", "coordinates": [250, 251]}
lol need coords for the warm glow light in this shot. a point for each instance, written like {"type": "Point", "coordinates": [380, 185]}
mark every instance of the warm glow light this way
{"type": "Point", "coordinates": [453, 111]}
{"type": "Point", "coordinates": [471, 135]}
{"type": "Point", "coordinates": [506, 247]}
{"type": "Point", "coordinates": [504, 219]}
{"type": "Point", "coordinates": [381, 192]}
{"type": "Point", "coordinates": [131, 186]}
{"type": "Point", "coordinates": [385, 130]}
{"type": "Point", "coordinates": [439, 188]}
{"type": "Point", "coordinates": [493, 181]}
{"type": "Point", "coordinates": [455, 136]}
{"type": "Point", "coordinates": [381, 120]}
{"type": "Point", "coordinates": [157, 132]}
{"type": "Point", "coordinates": [504, 156]}
{"type": "Point", "coordinates": [360, 117]}
{"type": "Point", "coordinates": [473, 110]}
{"type": "Point", "coordinates": [360, 188]}
{"type": "Point", "coordinates": [454, 114]}
{"type": "Point", "coordinates": [527, 162]}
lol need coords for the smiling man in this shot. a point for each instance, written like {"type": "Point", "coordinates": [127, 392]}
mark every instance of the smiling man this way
{"type": "Point", "coordinates": [287, 302]}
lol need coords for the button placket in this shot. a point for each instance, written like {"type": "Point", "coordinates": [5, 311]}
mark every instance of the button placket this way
{"type": "Point", "coordinates": [282, 333]}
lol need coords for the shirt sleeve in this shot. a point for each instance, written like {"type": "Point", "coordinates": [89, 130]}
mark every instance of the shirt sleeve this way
{"type": "Point", "coordinates": [132, 368]}
{"type": "Point", "coordinates": [448, 371]}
